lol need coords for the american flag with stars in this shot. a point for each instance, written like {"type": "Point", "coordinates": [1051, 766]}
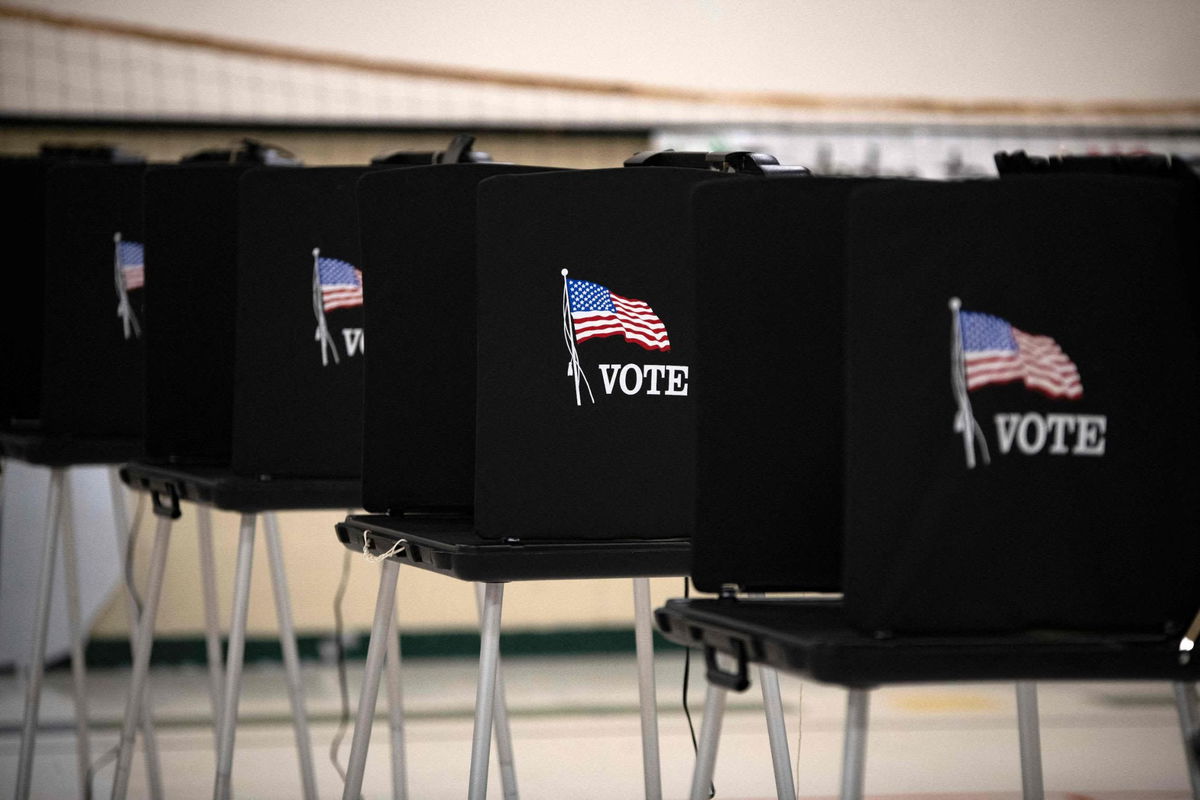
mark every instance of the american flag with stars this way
{"type": "Point", "coordinates": [131, 257]}
{"type": "Point", "coordinates": [994, 351]}
{"type": "Point", "coordinates": [598, 312]}
{"type": "Point", "coordinates": [341, 284]}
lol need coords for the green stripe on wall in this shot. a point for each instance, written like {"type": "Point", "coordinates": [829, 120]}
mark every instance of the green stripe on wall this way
{"type": "Point", "coordinates": [174, 651]}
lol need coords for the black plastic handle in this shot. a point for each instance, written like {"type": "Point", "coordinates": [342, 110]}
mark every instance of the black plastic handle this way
{"type": "Point", "coordinates": [168, 509]}
{"type": "Point", "coordinates": [247, 151]}
{"type": "Point", "coordinates": [458, 152]}
{"type": "Point", "coordinates": [736, 681]}
{"type": "Point", "coordinates": [743, 162]}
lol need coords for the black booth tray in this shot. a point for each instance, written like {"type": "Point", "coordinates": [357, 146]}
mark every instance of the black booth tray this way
{"type": "Point", "coordinates": [451, 546]}
{"type": "Point", "coordinates": [812, 637]}
{"type": "Point", "coordinates": [61, 450]}
{"type": "Point", "coordinates": [221, 488]}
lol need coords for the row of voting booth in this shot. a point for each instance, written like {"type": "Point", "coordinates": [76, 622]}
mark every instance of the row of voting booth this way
{"type": "Point", "coordinates": [902, 431]}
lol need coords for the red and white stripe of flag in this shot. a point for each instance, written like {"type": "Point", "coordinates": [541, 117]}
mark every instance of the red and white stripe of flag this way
{"type": "Point", "coordinates": [634, 319]}
{"type": "Point", "coordinates": [1039, 362]}
{"type": "Point", "coordinates": [342, 295]}
{"type": "Point", "coordinates": [133, 277]}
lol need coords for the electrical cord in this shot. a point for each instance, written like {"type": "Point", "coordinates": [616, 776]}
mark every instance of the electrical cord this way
{"type": "Point", "coordinates": [687, 669]}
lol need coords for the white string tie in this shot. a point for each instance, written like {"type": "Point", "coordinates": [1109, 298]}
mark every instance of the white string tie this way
{"type": "Point", "coordinates": [397, 548]}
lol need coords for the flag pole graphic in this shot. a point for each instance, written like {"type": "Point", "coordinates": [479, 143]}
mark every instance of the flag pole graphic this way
{"type": "Point", "coordinates": [573, 368]}
{"type": "Point", "coordinates": [322, 336]}
{"type": "Point", "coordinates": [124, 309]}
{"type": "Point", "coordinates": [964, 420]}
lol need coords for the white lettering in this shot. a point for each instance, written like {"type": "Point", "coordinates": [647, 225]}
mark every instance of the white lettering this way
{"type": "Point", "coordinates": [1090, 441]}
{"type": "Point", "coordinates": [626, 371]}
{"type": "Point", "coordinates": [1006, 430]}
{"type": "Point", "coordinates": [1032, 432]}
{"type": "Point", "coordinates": [655, 379]}
{"type": "Point", "coordinates": [677, 380]}
{"type": "Point", "coordinates": [355, 342]}
{"type": "Point", "coordinates": [609, 373]}
{"type": "Point", "coordinates": [1060, 425]}
{"type": "Point", "coordinates": [654, 372]}
{"type": "Point", "coordinates": [1038, 425]}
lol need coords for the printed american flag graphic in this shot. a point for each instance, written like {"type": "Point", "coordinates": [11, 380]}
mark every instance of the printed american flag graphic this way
{"type": "Point", "coordinates": [341, 284]}
{"type": "Point", "coordinates": [994, 351]}
{"type": "Point", "coordinates": [132, 260]}
{"type": "Point", "coordinates": [598, 312]}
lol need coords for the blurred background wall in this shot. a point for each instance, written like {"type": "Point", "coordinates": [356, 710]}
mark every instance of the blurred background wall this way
{"type": "Point", "coordinates": [926, 88]}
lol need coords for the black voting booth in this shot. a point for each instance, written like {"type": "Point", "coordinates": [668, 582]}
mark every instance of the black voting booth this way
{"type": "Point", "coordinates": [72, 366]}
{"type": "Point", "coordinates": [255, 381]}
{"type": "Point", "coordinates": [72, 380]}
{"type": "Point", "coordinates": [476, 314]}
{"type": "Point", "coordinates": [1047, 320]}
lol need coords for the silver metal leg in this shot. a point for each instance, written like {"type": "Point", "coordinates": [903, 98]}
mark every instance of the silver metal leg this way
{"type": "Point", "coordinates": [233, 666]}
{"type": "Point", "coordinates": [395, 693]}
{"type": "Point", "coordinates": [485, 693]}
{"type": "Point", "coordinates": [1031, 742]}
{"type": "Point", "coordinates": [710, 737]}
{"type": "Point", "coordinates": [854, 754]}
{"type": "Point", "coordinates": [381, 628]}
{"type": "Point", "coordinates": [500, 725]}
{"type": "Point", "coordinates": [212, 624]}
{"type": "Point", "coordinates": [291, 656]}
{"type": "Point", "coordinates": [83, 750]}
{"type": "Point", "coordinates": [1189, 724]}
{"type": "Point", "coordinates": [781, 761]}
{"type": "Point", "coordinates": [35, 667]}
{"type": "Point", "coordinates": [647, 694]}
{"type": "Point", "coordinates": [141, 657]}
{"type": "Point", "coordinates": [149, 737]}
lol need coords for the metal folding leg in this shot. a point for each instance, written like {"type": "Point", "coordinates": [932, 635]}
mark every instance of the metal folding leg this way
{"type": "Point", "coordinates": [141, 658]}
{"type": "Point", "coordinates": [647, 692]}
{"type": "Point", "coordinates": [149, 737]}
{"type": "Point", "coordinates": [854, 754]}
{"type": "Point", "coordinates": [710, 737]}
{"type": "Point", "coordinates": [395, 693]}
{"type": "Point", "coordinates": [1189, 724]}
{"type": "Point", "coordinates": [781, 761]}
{"type": "Point", "coordinates": [1031, 742]}
{"type": "Point", "coordinates": [212, 625]}
{"type": "Point", "coordinates": [500, 724]}
{"type": "Point", "coordinates": [33, 686]}
{"type": "Point", "coordinates": [83, 750]}
{"type": "Point", "coordinates": [233, 666]}
{"type": "Point", "coordinates": [291, 656]}
{"type": "Point", "coordinates": [381, 629]}
{"type": "Point", "coordinates": [485, 693]}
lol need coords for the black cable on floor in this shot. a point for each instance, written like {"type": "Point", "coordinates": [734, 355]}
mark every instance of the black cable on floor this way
{"type": "Point", "coordinates": [687, 669]}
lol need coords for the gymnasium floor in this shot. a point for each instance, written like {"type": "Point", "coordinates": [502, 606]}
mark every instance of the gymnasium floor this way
{"type": "Point", "coordinates": [576, 732]}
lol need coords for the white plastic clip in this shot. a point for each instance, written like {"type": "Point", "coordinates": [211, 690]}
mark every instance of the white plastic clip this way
{"type": "Point", "coordinates": [397, 549]}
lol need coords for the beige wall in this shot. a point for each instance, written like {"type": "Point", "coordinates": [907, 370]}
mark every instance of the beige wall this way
{"type": "Point", "coordinates": [950, 49]}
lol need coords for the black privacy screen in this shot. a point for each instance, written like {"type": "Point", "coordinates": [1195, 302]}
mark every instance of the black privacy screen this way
{"type": "Point", "coordinates": [770, 291]}
{"type": "Point", "coordinates": [94, 356]}
{"type": "Point", "coordinates": [300, 342]}
{"type": "Point", "coordinates": [190, 304]}
{"type": "Point", "coordinates": [25, 281]}
{"type": "Point", "coordinates": [418, 245]}
{"type": "Point", "coordinates": [586, 420]}
{"type": "Point", "coordinates": [1022, 406]}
